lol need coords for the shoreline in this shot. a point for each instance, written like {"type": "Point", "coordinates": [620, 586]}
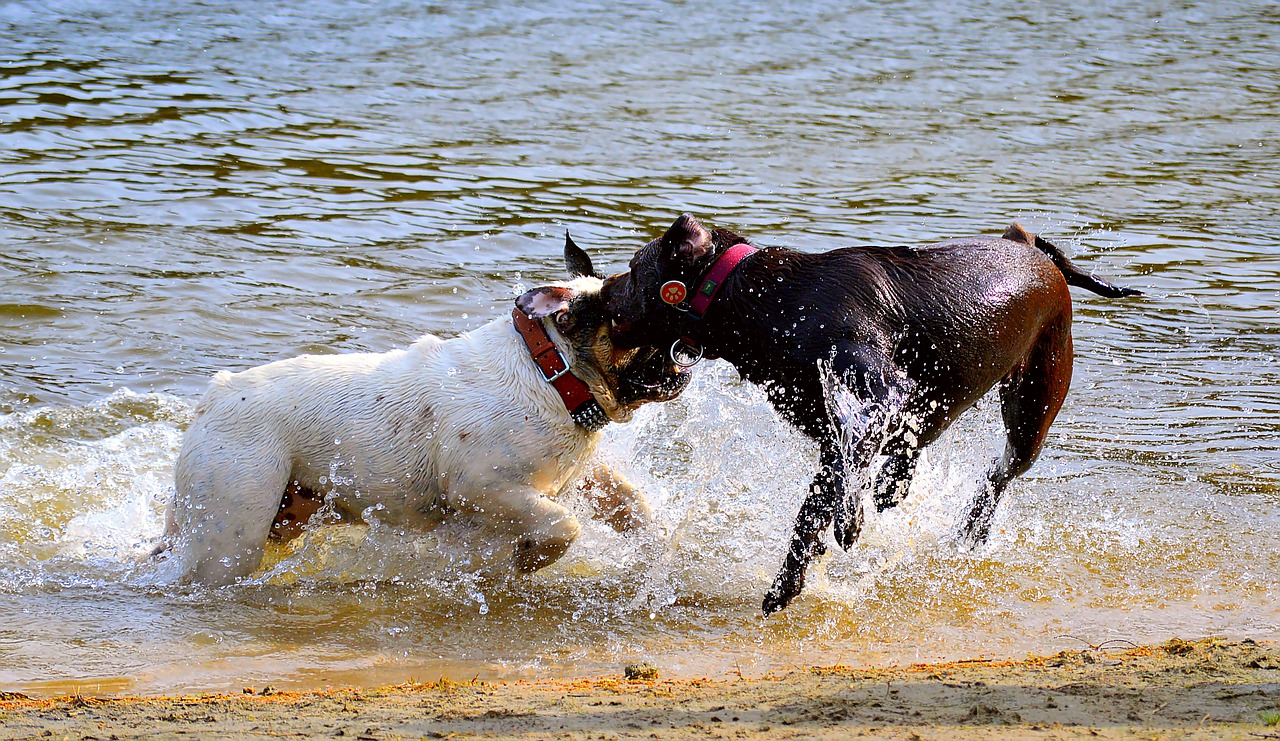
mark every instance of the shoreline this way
{"type": "Point", "coordinates": [1208, 688]}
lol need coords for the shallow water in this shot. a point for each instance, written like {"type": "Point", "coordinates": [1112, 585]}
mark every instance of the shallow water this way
{"type": "Point", "coordinates": [186, 188]}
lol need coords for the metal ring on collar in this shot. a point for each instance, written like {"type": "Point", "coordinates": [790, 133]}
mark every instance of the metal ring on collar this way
{"type": "Point", "coordinates": [685, 359]}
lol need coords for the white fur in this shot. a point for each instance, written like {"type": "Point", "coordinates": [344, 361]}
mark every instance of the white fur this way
{"type": "Point", "coordinates": [406, 436]}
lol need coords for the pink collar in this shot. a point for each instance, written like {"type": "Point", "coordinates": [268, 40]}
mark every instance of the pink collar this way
{"type": "Point", "coordinates": [710, 285]}
{"type": "Point", "coordinates": [686, 351]}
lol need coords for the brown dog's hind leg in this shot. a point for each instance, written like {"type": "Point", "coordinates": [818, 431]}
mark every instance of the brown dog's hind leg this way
{"type": "Point", "coordinates": [1030, 397]}
{"type": "Point", "coordinates": [296, 507]}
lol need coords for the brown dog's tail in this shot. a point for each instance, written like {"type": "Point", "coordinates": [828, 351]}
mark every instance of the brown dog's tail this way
{"type": "Point", "coordinates": [1075, 276]}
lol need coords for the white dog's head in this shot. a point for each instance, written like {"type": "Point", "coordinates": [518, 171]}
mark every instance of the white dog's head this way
{"type": "Point", "coordinates": [620, 380]}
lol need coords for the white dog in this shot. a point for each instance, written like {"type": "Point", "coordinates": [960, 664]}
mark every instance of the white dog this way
{"type": "Point", "coordinates": [469, 424]}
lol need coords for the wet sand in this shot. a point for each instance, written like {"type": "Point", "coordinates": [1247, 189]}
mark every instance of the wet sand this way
{"type": "Point", "coordinates": [1204, 689]}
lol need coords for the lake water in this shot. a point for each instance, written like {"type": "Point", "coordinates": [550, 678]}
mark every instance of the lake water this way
{"type": "Point", "coordinates": [188, 187]}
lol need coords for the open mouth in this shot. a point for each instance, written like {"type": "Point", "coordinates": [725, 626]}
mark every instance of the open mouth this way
{"type": "Point", "coordinates": [657, 392]}
{"type": "Point", "coordinates": [676, 380]}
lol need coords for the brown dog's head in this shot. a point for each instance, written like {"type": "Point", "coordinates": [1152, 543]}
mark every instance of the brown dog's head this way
{"type": "Point", "coordinates": [684, 253]}
{"type": "Point", "coordinates": [620, 379]}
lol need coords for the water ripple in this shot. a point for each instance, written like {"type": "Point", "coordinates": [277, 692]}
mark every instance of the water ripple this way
{"type": "Point", "coordinates": [186, 188]}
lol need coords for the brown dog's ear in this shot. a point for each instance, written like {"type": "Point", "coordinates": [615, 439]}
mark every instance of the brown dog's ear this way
{"type": "Point", "coordinates": [687, 240]}
{"type": "Point", "coordinates": [576, 260]}
{"type": "Point", "coordinates": [552, 301]}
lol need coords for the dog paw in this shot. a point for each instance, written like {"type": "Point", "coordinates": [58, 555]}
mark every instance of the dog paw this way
{"type": "Point", "coordinates": [977, 525]}
{"type": "Point", "coordinates": [629, 518]}
{"type": "Point", "coordinates": [847, 526]}
{"type": "Point", "coordinates": [972, 538]}
{"type": "Point", "coordinates": [532, 554]}
{"type": "Point", "coordinates": [542, 548]}
{"type": "Point", "coordinates": [775, 601]}
{"type": "Point", "coordinates": [786, 587]}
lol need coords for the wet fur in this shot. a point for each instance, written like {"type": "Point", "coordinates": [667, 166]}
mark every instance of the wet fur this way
{"type": "Point", "coordinates": [409, 436]}
{"type": "Point", "coordinates": [916, 334]}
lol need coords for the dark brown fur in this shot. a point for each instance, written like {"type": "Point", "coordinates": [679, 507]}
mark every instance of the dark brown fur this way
{"type": "Point", "coordinates": [297, 506]}
{"type": "Point", "coordinates": [918, 335]}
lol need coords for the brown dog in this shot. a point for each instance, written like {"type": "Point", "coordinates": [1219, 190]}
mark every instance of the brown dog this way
{"type": "Point", "coordinates": [913, 336]}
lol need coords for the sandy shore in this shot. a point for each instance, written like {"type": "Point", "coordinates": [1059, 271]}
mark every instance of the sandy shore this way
{"type": "Point", "coordinates": [1204, 689]}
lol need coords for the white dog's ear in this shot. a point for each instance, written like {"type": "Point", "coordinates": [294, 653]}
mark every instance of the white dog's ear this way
{"type": "Point", "coordinates": [547, 301]}
{"type": "Point", "coordinates": [576, 260]}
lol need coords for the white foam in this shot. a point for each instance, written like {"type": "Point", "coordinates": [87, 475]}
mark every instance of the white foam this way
{"type": "Point", "coordinates": [82, 489]}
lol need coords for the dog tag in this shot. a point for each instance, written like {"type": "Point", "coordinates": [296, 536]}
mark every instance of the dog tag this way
{"type": "Point", "coordinates": [673, 292]}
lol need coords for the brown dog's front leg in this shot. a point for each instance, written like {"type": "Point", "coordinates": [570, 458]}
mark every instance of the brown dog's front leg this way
{"type": "Point", "coordinates": [815, 516]}
{"type": "Point", "coordinates": [865, 400]}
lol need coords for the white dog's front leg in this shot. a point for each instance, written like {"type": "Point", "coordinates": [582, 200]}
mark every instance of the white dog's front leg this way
{"type": "Point", "coordinates": [615, 500]}
{"type": "Point", "coordinates": [543, 529]}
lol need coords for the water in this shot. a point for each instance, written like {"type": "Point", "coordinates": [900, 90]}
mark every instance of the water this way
{"type": "Point", "coordinates": [189, 187]}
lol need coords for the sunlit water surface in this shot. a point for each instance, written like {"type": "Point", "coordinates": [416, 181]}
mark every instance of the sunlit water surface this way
{"type": "Point", "coordinates": [186, 188]}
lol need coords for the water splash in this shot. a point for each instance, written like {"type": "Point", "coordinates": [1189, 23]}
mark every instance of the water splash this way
{"type": "Point", "coordinates": [83, 491]}
{"type": "Point", "coordinates": [82, 488]}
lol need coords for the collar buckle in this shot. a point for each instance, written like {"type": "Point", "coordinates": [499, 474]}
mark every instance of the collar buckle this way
{"type": "Point", "coordinates": [555, 376]}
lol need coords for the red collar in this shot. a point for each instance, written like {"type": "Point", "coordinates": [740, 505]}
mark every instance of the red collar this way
{"type": "Point", "coordinates": [577, 398]}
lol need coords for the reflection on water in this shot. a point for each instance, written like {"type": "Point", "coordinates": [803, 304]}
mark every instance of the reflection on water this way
{"type": "Point", "coordinates": [186, 188]}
